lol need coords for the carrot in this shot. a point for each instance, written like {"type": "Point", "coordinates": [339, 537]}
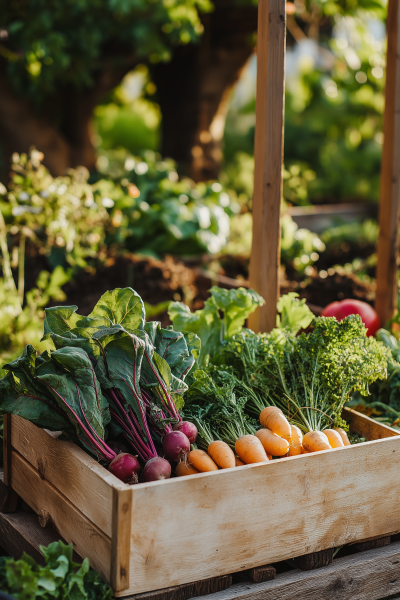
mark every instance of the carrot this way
{"type": "Point", "coordinates": [334, 438]}
{"type": "Point", "coordinates": [297, 441]}
{"type": "Point", "coordinates": [272, 443]}
{"type": "Point", "coordinates": [315, 441]}
{"type": "Point", "coordinates": [273, 418]}
{"type": "Point", "coordinates": [222, 454]}
{"type": "Point", "coordinates": [304, 451]}
{"type": "Point", "coordinates": [201, 461]}
{"type": "Point", "coordinates": [183, 469]}
{"type": "Point", "coordinates": [238, 462]}
{"type": "Point", "coordinates": [343, 435]}
{"type": "Point", "coordinates": [250, 450]}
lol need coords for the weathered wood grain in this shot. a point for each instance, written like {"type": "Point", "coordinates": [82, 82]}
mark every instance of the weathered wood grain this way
{"type": "Point", "coordinates": [389, 198]}
{"type": "Point", "coordinates": [7, 449]}
{"type": "Point", "coordinates": [366, 427]}
{"type": "Point", "coordinates": [188, 590]}
{"type": "Point", "coordinates": [259, 574]}
{"type": "Point", "coordinates": [270, 512]}
{"type": "Point", "coordinates": [69, 469]}
{"type": "Point", "coordinates": [268, 157]}
{"type": "Point", "coordinates": [371, 544]}
{"type": "Point", "coordinates": [121, 538]}
{"type": "Point", "coordinates": [8, 497]}
{"type": "Point", "coordinates": [70, 523]}
{"type": "Point", "coordinates": [314, 560]}
{"type": "Point", "coordinates": [366, 576]}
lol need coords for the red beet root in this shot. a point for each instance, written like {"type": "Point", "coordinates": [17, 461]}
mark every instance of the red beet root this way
{"type": "Point", "coordinates": [189, 429]}
{"type": "Point", "coordinates": [157, 468]}
{"type": "Point", "coordinates": [176, 445]}
{"type": "Point", "coordinates": [126, 467]}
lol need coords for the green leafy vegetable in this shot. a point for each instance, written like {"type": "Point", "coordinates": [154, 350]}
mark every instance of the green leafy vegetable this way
{"type": "Point", "coordinates": [294, 313]}
{"type": "Point", "coordinates": [58, 579]}
{"type": "Point", "coordinates": [235, 306]}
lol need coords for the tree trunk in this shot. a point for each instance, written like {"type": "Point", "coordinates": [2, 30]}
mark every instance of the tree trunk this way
{"type": "Point", "coordinates": [62, 128]}
{"type": "Point", "coordinates": [193, 89]}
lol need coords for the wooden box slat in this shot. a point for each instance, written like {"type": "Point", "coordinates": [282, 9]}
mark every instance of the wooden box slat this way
{"type": "Point", "coordinates": [73, 526]}
{"type": "Point", "coordinates": [183, 530]}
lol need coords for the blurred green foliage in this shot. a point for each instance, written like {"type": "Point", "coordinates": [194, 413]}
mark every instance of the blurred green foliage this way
{"type": "Point", "coordinates": [52, 44]}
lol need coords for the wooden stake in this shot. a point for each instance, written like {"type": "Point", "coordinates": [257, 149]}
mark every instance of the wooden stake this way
{"type": "Point", "coordinates": [268, 157]}
{"type": "Point", "coordinates": [387, 284]}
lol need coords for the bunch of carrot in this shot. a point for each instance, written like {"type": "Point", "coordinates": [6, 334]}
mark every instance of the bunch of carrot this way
{"type": "Point", "coordinates": [276, 438]}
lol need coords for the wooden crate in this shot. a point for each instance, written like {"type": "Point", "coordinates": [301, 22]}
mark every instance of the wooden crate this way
{"type": "Point", "coordinates": [161, 534]}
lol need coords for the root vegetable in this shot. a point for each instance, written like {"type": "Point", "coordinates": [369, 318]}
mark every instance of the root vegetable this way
{"type": "Point", "coordinates": [221, 454]}
{"type": "Point", "coordinates": [189, 429]}
{"type": "Point", "coordinates": [250, 450]}
{"type": "Point", "coordinates": [238, 462]}
{"type": "Point", "coordinates": [184, 468]}
{"type": "Point", "coordinates": [272, 443]}
{"type": "Point", "coordinates": [273, 418]}
{"type": "Point", "coordinates": [201, 461]}
{"type": "Point", "coordinates": [334, 438]}
{"type": "Point", "coordinates": [126, 467]}
{"type": "Point", "coordinates": [297, 441]}
{"type": "Point", "coordinates": [176, 445]}
{"type": "Point", "coordinates": [157, 468]}
{"type": "Point", "coordinates": [343, 435]}
{"type": "Point", "coordinates": [315, 441]}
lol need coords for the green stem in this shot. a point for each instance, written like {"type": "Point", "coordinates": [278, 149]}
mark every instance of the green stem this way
{"type": "Point", "coordinates": [7, 273]}
{"type": "Point", "coordinates": [21, 269]}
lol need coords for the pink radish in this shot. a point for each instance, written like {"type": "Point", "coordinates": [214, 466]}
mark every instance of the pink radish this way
{"type": "Point", "coordinates": [189, 429]}
{"type": "Point", "coordinates": [156, 468]}
{"type": "Point", "coordinates": [176, 445]}
{"type": "Point", "coordinates": [126, 467]}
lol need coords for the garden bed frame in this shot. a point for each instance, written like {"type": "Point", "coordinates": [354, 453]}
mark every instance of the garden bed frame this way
{"type": "Point", "coordinates": [235, 523]}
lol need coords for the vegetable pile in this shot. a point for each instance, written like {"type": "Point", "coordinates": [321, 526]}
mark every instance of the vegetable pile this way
{"type": "Point", "coordinates": [147, 401]}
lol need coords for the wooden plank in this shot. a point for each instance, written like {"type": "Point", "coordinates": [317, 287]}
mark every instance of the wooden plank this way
{"type": "Point", "coordinates": [366, 427]}
{"type": "Point", "coordinates": [302, 508]}
{"type": "Point", "coordinates": [7, 449]}
{"type": "Point", "coordinates": [366, 576]}
{"type": "Point", "coordinates": [386, 272]}
{"type": "Point", "coordinates": [70, 523]}
{"type": "Point", "coordinates": [259, 574]}
{"type": "Point", "coordinates": [188, 590]}
{"type": "Point", "coordinates": [371, 544]}
{"type": "Point", "coordinates": [121, 538]}
{"type": "Point", "coordinates": [8, 497]}
{"type": "Point", "coordinates": [268, 160]}
{"type": "Point", "coordinates": [314, 560]}
{"type": "Point", "coordinates": [69, 469]}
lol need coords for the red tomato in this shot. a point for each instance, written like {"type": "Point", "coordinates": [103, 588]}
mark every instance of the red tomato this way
{"type": "Point", "coordinates": [343, 309]}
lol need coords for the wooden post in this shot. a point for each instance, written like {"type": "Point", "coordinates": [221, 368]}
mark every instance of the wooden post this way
{"type": "Point", "coordinates": [268, 158]}
{"type": "Point", "coordinates": [386, 291]}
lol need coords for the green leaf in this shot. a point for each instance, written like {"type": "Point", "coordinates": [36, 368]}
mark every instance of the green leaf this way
{"type": "Point", "coordinates": [295, 314]}
{"type": "Point", "coordinates": [121, 306]}
{"type": "Point", "coordinates": [236, 305]}
{"type": "Point", "coordinates": [60, 319]}
{"type": "Point", "coordinates": [173, 347]}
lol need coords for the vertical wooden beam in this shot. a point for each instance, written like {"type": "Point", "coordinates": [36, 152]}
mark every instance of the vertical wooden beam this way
{"type": "Point", "coordinates": [268, 158]}
{"type": "Point", "coordinates": [386, 292]}
{"type": "Point", "coordinates": [121, 538]}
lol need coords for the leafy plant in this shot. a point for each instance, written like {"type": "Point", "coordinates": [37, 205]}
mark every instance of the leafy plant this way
{"type": "Point", "coordinates": [58, 579]}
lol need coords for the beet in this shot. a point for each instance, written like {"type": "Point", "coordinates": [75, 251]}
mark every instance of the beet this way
{"type": "Point", "coordinates": [176, 445]}
{"type": "Point", "coordinates": [118, 447]}
{"type": "Point", "coordinates": [157, 468]}
{"type": "Point", "coordinates": [189, 429]}
{"type": "Point", "coordinates": [126, 467]}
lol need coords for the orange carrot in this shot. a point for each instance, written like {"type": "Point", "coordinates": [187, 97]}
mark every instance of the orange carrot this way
{"type": "Point", "coordinates": [273, 444]}
{"type": "Point", "coordinates": [315, 441]}
{"type": "Point", "coordinates": [304, 451]}
{"type": "Point", "coordinates": [201, 461]}
{"type": "Point", "coordinates": [183, 469]}
{"type": "Point", "coordinates": [250, 450]}
{"type": "Point", "coordinates": [343, 435]}
{"type": "Point", "coordinates": [222, 454]}
{"type": "Point", "coordinates": [334, 438]}
{"type": "Point", "coordinates": [297, 441]}
{"type": "Point", "coordinates": [238, 462]}
{"type": "Point", "coordinates": [273, 418]}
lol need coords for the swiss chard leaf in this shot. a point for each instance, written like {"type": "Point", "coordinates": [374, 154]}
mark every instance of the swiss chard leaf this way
{"type": "Point", "coordinates": [173, 347]}
{"type": "Point", "coordinates": [121, 306]}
